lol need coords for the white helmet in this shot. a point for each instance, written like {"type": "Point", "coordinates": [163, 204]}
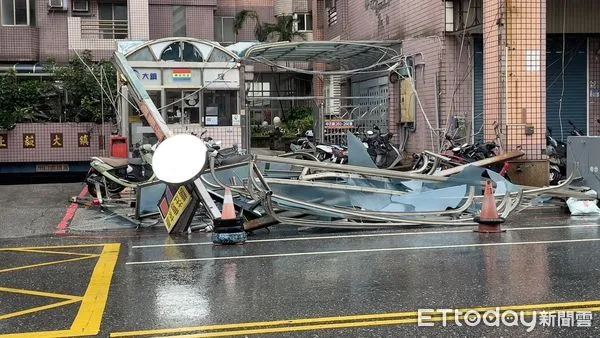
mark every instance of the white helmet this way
{"type": "Point", "coordinates": [309, 133]}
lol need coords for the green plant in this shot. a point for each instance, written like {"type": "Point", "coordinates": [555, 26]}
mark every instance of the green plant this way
{"type": "Point", "coordinates": [299, 120]}
{"type": "Point", "coordinates": [24, 100]}
{"type": "Point", "coordinates": [28, 100]}
{"type": "Point", "coordinates": [82, 83]}
{"type": "Point", "coordinates": [299, 126]}
{"type": "Point", "coordinates": [282, 30]}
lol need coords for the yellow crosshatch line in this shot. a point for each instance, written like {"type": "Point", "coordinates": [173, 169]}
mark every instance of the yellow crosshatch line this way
{"type": "Point", "coordinates": [89, 317]}
{"type": "Point", "coordinates": [40, 293]}
{"type": "Point", "coordinates": [74, 246]}
{"type": "Point", "coordinates": [47, 263]}
{"type": "Point", "coordinates": [341, 322]}
{"type": "Point", "coordinates": [54, 252]}
{"type": "Point", "coordinates": [39, 308]}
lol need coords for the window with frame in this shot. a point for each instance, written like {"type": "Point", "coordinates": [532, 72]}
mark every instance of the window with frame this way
{"type": "Point", "coordinates": [332, 15]}
{"type": "Point", "coordinates": [179, 21]}
{"type": "Point", "coordinates": [219, 105]}
{"type": "Point", "coordinates": [305, 22]}
{"type": "Point", "coordinates": [113, 20]}
{"type": "Point", "coordinates": [259, 89]}
{"type": "Point", "coordinates": [80, 6]}
{"type": "Point", "coordinates": [15, 12]}
{"type": "Point", "coordinates": [181, 51]}
{"type": "Point", "coordinates": [224, 29]}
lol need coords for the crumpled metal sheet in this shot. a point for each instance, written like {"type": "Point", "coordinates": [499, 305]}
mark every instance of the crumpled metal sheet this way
{"type": "Point", "coordinates": [357, 153]}
{"type": "Point", "coordinates": [435, 200]}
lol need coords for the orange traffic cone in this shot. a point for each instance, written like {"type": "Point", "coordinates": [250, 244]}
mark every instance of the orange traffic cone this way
{"type": "Point", "coordinates": [228, 208]}
{"type": "Point", "coordinates": [488, 219]}
{"type": "Point", "coordinates": [229, 229]}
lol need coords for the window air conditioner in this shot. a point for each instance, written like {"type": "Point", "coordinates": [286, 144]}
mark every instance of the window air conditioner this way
{"type": "Point", "coordinates": [80, 6]}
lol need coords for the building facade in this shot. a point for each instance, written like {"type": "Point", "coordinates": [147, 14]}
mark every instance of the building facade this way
{"type": "Point", "coordinates": [525, 65]}
{"type": "Point", "coordinates": [33, 31]}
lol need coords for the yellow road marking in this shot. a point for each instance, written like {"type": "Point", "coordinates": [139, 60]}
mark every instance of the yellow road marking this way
{"type": "Point", "coordinates": [43, 334]}
{"type": "Point", "coordinates": [90, 313]}
{"type": "Point", "coordinates": [53, 252]}
{"type": "Point", "coordinates": [40, 293]}
{"type": "Point", "coordinates": [341, 325]}
{"type": "Point", "coordinates": [47, 263]}
{"type": "Point", "coordinates": [348, 318]}
{"type": "Point", "coordinates": [55, 247]}
{"type": "Point", "coordinates": [39, 308]}
{"type": "Point", "coordinates": [88, 319]}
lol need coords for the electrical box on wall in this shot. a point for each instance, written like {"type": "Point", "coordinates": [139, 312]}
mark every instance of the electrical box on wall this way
{"type": "Point", "coordinates": [407, 102]}
{"type": "Point", "coordinates": [459, 128]}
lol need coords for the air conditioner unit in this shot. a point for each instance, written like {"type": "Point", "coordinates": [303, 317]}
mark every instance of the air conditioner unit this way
{"type": "Point", "coordinates": [80, 6]}
{"type": "Point", "coordinates": [60, 5]}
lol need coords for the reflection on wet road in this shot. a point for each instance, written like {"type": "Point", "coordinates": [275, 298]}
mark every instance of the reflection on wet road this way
{"type": "Point", "coordinates": [315, 282]}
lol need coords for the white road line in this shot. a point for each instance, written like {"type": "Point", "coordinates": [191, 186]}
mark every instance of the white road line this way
{"type": "Point", "coordinates": [310, 238]}
{"type": "Point", "coordinates": [363, 251]}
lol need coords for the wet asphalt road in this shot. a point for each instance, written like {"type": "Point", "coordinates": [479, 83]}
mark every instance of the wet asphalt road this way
{"type": "Point", "coordinates": [28, 210]}
{"type": "Point", "coordinates": [135, 280]}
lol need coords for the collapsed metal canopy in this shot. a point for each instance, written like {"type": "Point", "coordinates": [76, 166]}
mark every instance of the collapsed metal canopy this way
{"type": "Point", "coordinates": [344, 54]}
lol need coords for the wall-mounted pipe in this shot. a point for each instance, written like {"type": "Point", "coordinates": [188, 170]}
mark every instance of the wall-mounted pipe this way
{"type": "Point", "coordinates": [23, 68]}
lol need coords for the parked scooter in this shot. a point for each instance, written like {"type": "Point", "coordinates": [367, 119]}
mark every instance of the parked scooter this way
{"type": "Point", "coordinates": [304, 144]}
{"type": "Point", "coordinates": [115, 174]}
{"type": "Point", "coordinates": [557, 154]}
{"type": "Point", "coordinates": [557, 157]}
{"type": "Point", "coordinates": [380, 148]}
{"type": "Point", "coordinates": [222, 156]}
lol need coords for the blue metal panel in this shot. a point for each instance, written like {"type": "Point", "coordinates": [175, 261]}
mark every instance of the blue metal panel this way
{"type": "Point", "coordinates": [574, 92]}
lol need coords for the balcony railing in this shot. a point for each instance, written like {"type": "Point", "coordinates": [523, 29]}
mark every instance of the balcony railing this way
{"type": "Point", "coordinates": [104, 29]}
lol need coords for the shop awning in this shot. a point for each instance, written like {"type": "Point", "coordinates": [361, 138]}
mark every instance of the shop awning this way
{"type": "Point", "coordinates": [344, 54]}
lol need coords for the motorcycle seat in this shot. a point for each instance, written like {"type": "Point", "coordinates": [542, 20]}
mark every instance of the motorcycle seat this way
{"type": "Point", "coordinates": [117, 162]}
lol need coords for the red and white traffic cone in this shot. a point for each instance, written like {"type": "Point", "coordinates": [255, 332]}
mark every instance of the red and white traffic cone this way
{"type": "Point", "coordinates": [488, 219]}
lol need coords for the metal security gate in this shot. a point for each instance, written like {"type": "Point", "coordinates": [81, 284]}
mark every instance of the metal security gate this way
{"type": "Point", "coordinates": [374, 110]}
{"type": "Point", "coordinates": [367, 107]}
{"type": "Point", "coordinates": [574, 92]}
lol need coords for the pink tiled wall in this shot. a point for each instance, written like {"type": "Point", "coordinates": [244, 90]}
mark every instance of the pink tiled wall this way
{"type": "Point", "coordinates": [199, 23]}
{"type": "Point", "coordinates": [161, 18]}
{"type": "Point", "coordinates": [421, 27]}
{"type": "Point", "coordinates": [228, 136]}
{"type": "Point", "coordinates": [594, 85]}
{"type": "Point", "coordinates": [53, 28]}
{"type": "Point", "coordinates": [456, 81]}
{"type": "Point", "coordinates": [43, 152]}
{"type": "Point", "coordinates": [400, 19]}
{"type": "Point", "coordinates": [427, 66]}
{"type": "Point", "coordinates": [19, 44]}
{"type": "Point", "coordinates": [492, 67]}
{"type": "Point", "coordinates": [339, 28]}
{"type": "Point", "coordinates": [515, 96]}
{"type": "Point", "coordinates": [264, 8]}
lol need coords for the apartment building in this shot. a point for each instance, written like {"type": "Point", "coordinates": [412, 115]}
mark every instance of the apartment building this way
{"type": "Point", "coordinates": [35, 30]}
{"type": "Point", "coordinates": [525, 65]}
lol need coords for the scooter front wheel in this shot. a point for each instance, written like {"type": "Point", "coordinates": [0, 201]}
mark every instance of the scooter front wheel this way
{"type": "Point", "coordinates": [113, 188]}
